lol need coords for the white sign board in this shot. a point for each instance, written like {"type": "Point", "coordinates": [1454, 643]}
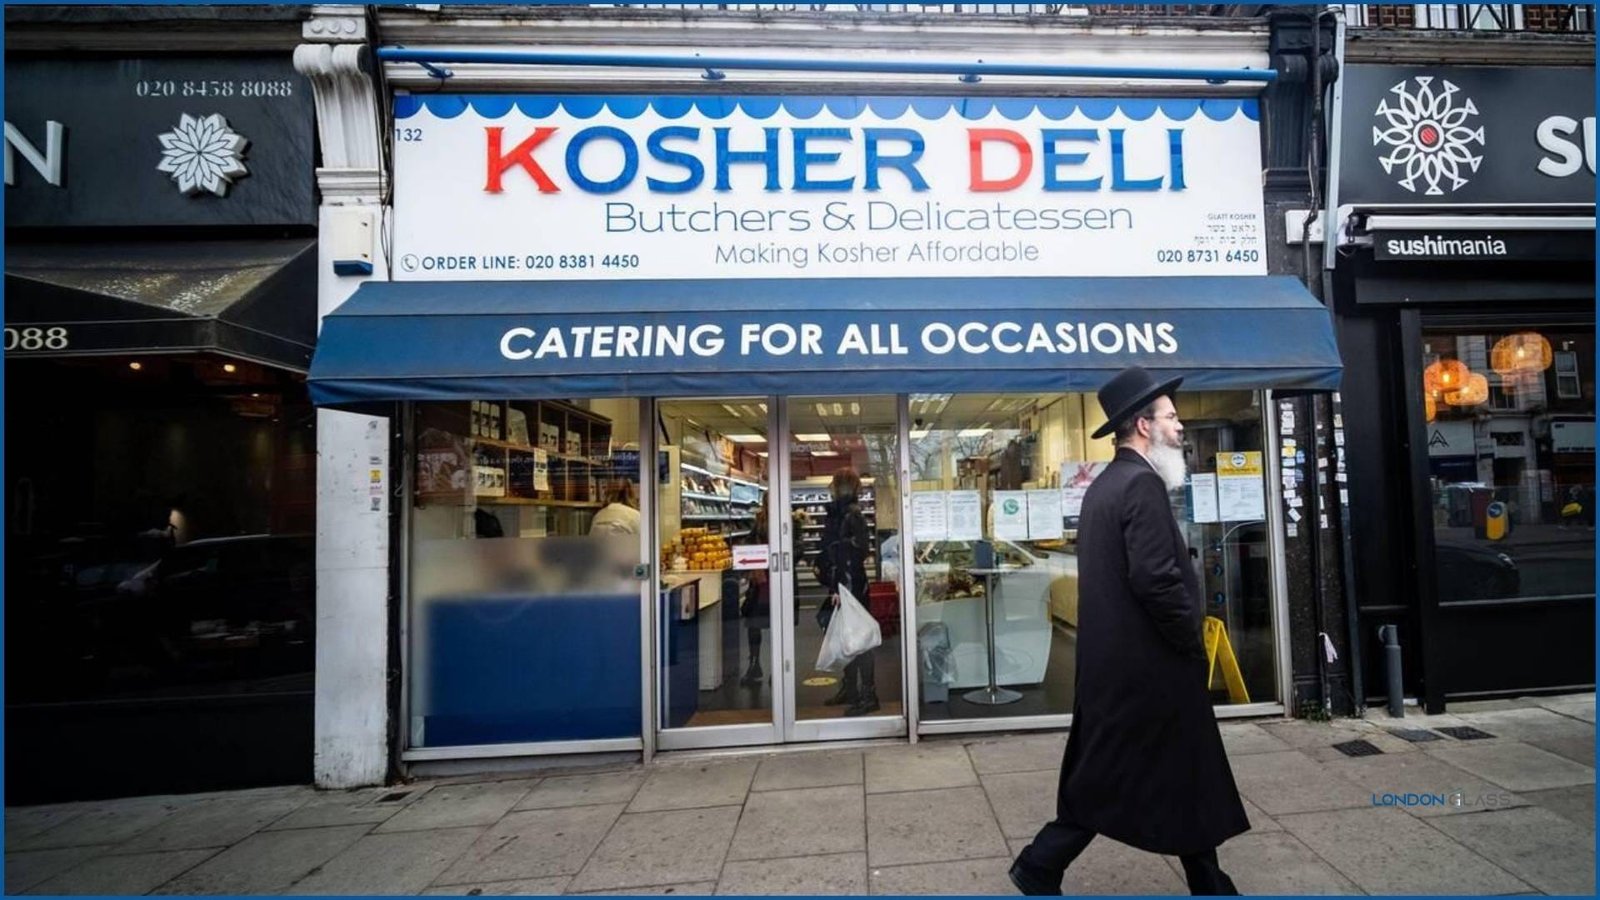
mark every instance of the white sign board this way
{"type": "Point", "coordinates": [532, 187]}
{"type": "Point", "coordinates": [750, 556]}
{"type": "Point", "coordinates": [929, 516]}
{"type": "Point", "coordinates": [1044, 515]}
{"type": "Point", "coordinates": [966, 516]}
{"type": "Point", "coordinates": [1010, 515]}
{"type": "Point", "coordinates": [1451, 438]}
{"type": "Point", "coordinates": [1203, 497]}
{"type": "Point", "coordinates": [1241, 492]}
{"type": "Point", "coordinates": [1572, 437]}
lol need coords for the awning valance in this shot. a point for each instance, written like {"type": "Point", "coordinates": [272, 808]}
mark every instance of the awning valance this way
{"type": "Point", "coordinates": [253, 299]}
{"type": "Point", "coordinates": [444, 340]}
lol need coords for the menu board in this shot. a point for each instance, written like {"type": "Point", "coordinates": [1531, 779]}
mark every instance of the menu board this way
{"type": "Point", "coordinates": [930, 516]}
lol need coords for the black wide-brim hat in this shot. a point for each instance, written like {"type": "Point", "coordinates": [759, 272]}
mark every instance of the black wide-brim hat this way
{"type": "Point", "coordinates": [1129, 391]}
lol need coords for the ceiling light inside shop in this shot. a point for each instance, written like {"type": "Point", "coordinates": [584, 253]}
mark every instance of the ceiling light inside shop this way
{"type": "Point", "coordinates": [855, 409]}
{"type": "Point", "coordinates": [135, 366]}
{"type": "Point", "coordinates": [747, 438]}
{"type": "Point", "coordinates": [230, 368]}
{"type": "Point", "coordinates": [824, 453]}
{"type": "Point", "coordinates": [812, 438]}
{"type": "Point", "coordinates": [763, 408]}
{"type": "Point", "coordinates": [918, 434]}
{"type": "Point", "coordinates": [762, 454]}
{"type": "Point", "coordinates": [731, 411]}
{"type": "Point", "coordinates": [750, 411]}
{"type": "Point", "coordinates": [980, 431]}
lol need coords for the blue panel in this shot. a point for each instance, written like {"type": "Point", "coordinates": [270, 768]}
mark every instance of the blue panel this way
{"type": "Point", "coordinates": [511, 669]}
{"type": "Point", "coordinates": [416, 341]}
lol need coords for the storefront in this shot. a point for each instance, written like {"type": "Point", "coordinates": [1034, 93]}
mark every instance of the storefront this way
{"type": "Point", "coordinates": [634, 341]}
{"type": "Point", "coordinates": [160, 284]}
{"type": "Point", "coordinates": [1463, 273]}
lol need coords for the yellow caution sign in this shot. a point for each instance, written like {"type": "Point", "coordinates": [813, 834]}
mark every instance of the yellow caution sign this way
{"type": "Point", "coordinates": [1217, 646]}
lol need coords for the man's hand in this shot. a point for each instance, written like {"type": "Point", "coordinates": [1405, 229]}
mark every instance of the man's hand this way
{"type": "Point", "coordinates": [833, 599]}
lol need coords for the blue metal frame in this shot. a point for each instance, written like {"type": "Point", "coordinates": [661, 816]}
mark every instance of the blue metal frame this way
{"type": "Point", "coordinates": [967, 71]}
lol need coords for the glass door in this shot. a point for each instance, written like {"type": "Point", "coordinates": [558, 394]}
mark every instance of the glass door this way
{"type": "Point", "coordinates": [839, 484]}
{"type": "Point", "coordinates": [717, 666]}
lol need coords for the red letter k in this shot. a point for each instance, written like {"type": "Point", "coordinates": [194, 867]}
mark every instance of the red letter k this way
{"type": "Point", "coordinates": [520, 155]}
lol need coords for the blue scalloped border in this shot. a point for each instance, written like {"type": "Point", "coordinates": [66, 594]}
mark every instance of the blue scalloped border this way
{"type": "Point", "coordinates": [631, 106]}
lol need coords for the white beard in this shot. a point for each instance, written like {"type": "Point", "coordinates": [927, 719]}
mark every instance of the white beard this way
{"type": "Point", "coordinates": [1169, 464]}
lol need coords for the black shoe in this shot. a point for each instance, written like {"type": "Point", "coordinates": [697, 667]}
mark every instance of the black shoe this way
{"type": "Point", "coordinates": [845, 697]}
{"type": "Point", "coordinates": [865, 706]}
{"type": "Point", "coordinates": [1028, 884]}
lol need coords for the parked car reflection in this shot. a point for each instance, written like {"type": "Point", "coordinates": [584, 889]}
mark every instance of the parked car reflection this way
{"type": "Point", "coordinates": [1470, 572]}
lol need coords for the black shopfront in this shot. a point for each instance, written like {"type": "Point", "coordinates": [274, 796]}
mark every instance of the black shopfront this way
{"type": "Point", "coordinates": [160, 312]}
{"type": "Point", "coordinates": [1462, 272]}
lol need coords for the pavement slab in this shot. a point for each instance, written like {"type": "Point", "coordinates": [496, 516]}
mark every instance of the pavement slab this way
{"type": "Point", "coordinates": [966, 877]}
{"type": "Point", "coordinates": [216, 822]}
{"type": "Point", "coordinates": [543, 887]}
{"type": "Point", "coordinates": [1259, 821]}
{"type": "Point", "coordinates": [1291, 782]}
{"type": "Point", "coordinates": [1530, 724]}
{"type": "Point", "coordinates": [403, 862]}
{"type": "Point", "coordinates": [804, 822]}
{"type": "Point", "coordinates": [694, 785]}
{"type": "Point", "coordinates": [25, 822]}
{"type": "Point", "coordinates": [668, 847]}
{"type": "Point", "coordinates": [1240, 739]}
{"type": "Point", "coordinates": [113, 823]}
{"type": "Point", "coordinates": [1270, 863]}
{"type": "Point", "coordinates": [26, 869]}
{"type": "Point", "coordinates": [1299, 733]}
{"type": "Point", "coordinates": [1574, 706]}
{"type": "Point", "coordinates": [267, 862]}
{"type": "Point", "coordinates": [1385, 742]}
{"type": "Point", "coordinates": [125, 874]}
{"type": "Point", "coordinates": [1514, 766]}
{"type": "Point", "coordinates": [1385, 851]}
{"type": "Point", "coordinates": [1423, 774]}
{"type": "Point", "coordinates": [535, 843]}
{"type": "Point", "coordinates": [919, 767]}
{"type": "Point", "coordinates": [459, 806]}
{"type": "Point", "coordinates": [1578, 749]}
{"type": "Point", "coordinates": [1022, 801]}
{"type": "Point", "coordinates": [931, 826]}
{"type": "Point", "coordinates": [583, 790]}
{"type": "Point", "coordinates": [837, 873]}
{"type": "Point", "coordinates": [788, 771]}
{"type": "Point", "coordinates": [692, 889]}
{"type": "Point", "coordinates": [359, 807]}
{"type": "Point", "coordinates": [1536, 845]}
{"type": "Point", "coordinates": [1575, 804]}
{"type": "Point", "coordinates": [1033, 753]}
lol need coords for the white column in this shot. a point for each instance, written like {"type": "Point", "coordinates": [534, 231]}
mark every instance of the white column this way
{"type": "Point", "coordinates": [352, 702]}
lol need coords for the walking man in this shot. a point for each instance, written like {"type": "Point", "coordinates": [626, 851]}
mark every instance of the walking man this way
{"type": "Point", "coordinates": [1144, 763]}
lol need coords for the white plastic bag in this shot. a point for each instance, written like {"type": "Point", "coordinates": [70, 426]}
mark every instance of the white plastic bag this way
{"type": "Point", "coordinates": [851, 632]}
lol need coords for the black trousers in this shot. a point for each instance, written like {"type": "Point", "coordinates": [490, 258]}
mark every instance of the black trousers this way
{"type": "Point", "coordinates": [1059, 843]}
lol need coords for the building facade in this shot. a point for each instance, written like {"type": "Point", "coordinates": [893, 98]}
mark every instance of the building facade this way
{"type": "Point", "coordinates": [160, 263]}
{"type": "Point", "coordinates": [628, 317]}
{"type": "Point", "coordinates": [1461, 267]}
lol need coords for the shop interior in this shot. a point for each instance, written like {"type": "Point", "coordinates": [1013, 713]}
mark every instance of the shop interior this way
{"type": "Point", "coordinates": [547, 491]}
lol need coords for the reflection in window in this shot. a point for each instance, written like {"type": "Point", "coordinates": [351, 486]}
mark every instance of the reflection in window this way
{"type": "Point", "coordinates": [1510, 433]}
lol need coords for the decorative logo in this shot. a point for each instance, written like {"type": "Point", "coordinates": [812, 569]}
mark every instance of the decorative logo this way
{"type": "Point", "coordinates": [1428, 135]}
{"type": "Point", "coordinates": [203, 154]}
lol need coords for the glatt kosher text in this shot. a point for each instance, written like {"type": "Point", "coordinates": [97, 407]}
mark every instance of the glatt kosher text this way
{"type": "Point", "coordinates": [811, 339]}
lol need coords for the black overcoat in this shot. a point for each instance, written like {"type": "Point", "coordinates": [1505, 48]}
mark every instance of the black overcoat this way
{"type": "Point", "coordinates": [1144, 763]}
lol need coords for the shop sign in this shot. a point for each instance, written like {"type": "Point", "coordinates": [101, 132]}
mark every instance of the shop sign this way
{"type": "Point", "coordinates": [1483, 245]}
{"type": "Point", "coordinates": [172, 141]}
{"type": "Point", "coordinates": [1445, 135]}
{"type": "Point", "coordinates": [1572, 436]}
{"type": "Point", "coordinates": [1451, 438]}
{"type": "Point", "coordinates": [649, 187]}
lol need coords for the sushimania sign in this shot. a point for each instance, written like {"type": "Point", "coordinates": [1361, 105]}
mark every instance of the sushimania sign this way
{"type": "Point", "coordinates": [507, 187]}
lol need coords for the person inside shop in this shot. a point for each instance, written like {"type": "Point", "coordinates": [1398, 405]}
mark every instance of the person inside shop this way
{"type": "Point", "coordinates": [756, 607]}
{"type": "Point", "coordinates": [620, 515]}
{"type": "Point", "coordinates": [1144, 763]}
{"type": "Point", "coordinates": [842, 563]}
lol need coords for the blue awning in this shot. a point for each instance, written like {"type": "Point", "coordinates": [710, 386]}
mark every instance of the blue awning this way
{"type": "Point", "coordinates": [682, 338]}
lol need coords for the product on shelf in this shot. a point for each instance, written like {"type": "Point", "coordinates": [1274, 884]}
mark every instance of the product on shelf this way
{"type": "Point", "coordinates": [699, 549]}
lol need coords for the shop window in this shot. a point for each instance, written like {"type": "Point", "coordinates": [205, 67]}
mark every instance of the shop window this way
{"type": "Point", "coordinates": [997, 483]}
{"type": "Point", "coordinates": [1511, 466]}
{"type": "Point", "coordinates": [524, 607]}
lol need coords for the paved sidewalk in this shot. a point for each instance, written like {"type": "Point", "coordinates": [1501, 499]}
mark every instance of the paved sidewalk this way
{"type": "Point", "coordinates": [943, 816]}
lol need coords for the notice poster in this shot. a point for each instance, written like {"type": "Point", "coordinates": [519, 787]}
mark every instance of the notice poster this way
{"type": "Point", "coordinates": [1241, 495]}
{"type": "Point", "coordinates": [930, 517]}
{"type": "Point", "coordinates": [1203, 497]}
{"type": "Point", "coordinates": [1075, 480]}
{"type": "Point", "coordinates": [541, 470]}
{"type": "Point", "coordinates": [965, 516]}
{"type": "Point", "coordinates": [1044, 515]}
{"type": "Point", "coordinates": [1011, 515]}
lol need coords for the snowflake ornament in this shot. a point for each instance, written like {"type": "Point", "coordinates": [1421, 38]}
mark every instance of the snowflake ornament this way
{"type": "Point", "coordinates": [1428, 136]}
{"type": "Point", "coordinates": [203, 154]}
